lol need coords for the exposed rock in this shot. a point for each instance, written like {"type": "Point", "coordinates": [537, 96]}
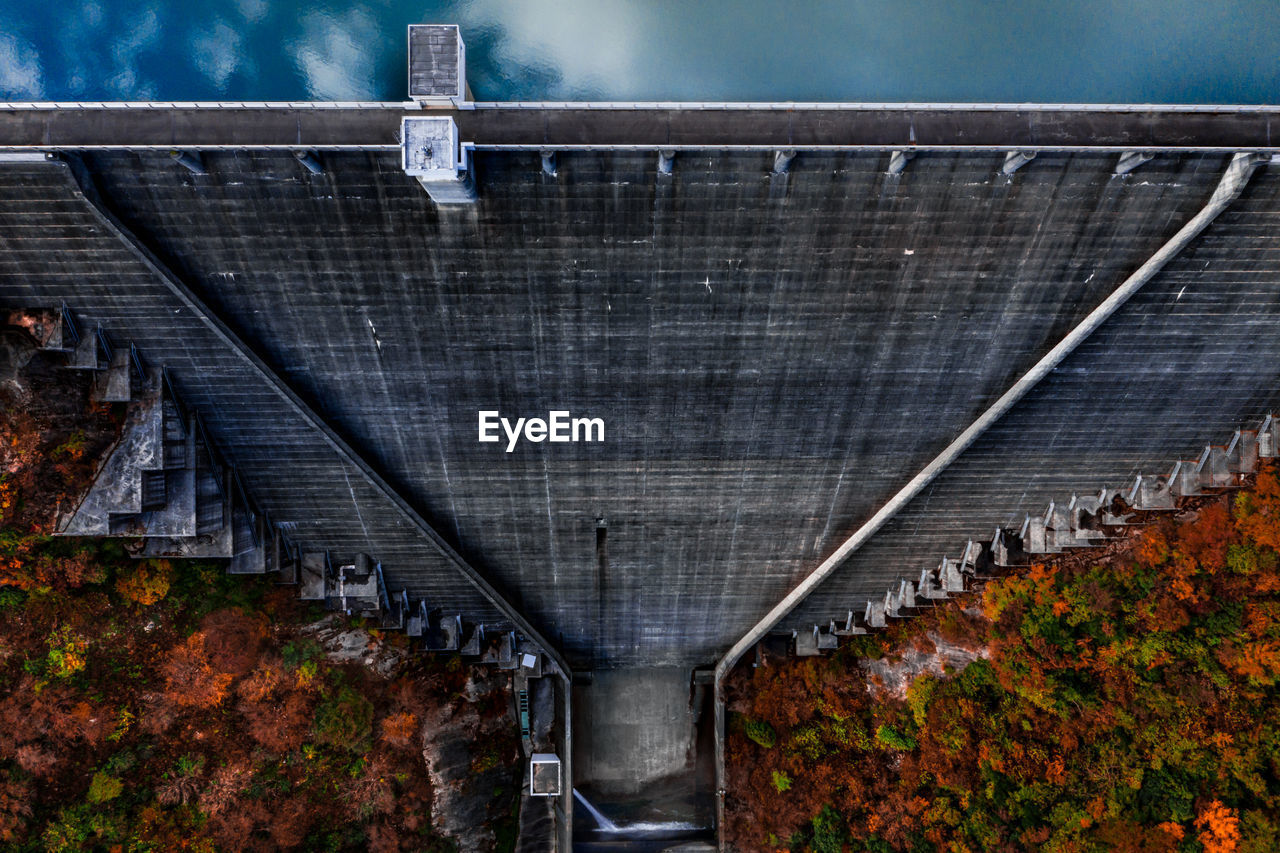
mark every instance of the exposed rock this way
{"type": "Point", "coordinates": [463, 777]}
{"type": "Point", "coordinates": [537, 824]}
{"type": "Point", "coordinates": [15, 352]}
{"type": "Point", "coordinates": [344, 644]}
{"type": "Point", "coordinates": [895, 676]}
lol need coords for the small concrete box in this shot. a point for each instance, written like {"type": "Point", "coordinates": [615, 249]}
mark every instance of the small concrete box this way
{"type": "Point", "coordinates": [430, 151]}
{"type": "Point", "coordinates": [544, 775]}
{"type": "Point", "coordinates": [437, 64]}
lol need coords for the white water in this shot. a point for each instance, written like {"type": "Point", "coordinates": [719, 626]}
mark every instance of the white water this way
{"type": "Point", "coordinates": [601, 821]}
{"type": "Point", "coordinates": [642, 828]}
{"type": "Point", "coordinates": [648, 828]}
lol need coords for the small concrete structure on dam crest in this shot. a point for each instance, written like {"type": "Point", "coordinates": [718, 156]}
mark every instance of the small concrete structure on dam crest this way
{"type": "Point", "coordinates": [829, 345]}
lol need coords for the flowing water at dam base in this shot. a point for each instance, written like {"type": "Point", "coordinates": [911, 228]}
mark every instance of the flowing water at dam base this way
{"type": "Point", "coordinates": [642, 760]}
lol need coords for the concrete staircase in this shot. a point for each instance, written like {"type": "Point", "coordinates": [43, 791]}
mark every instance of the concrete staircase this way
{"type": "Point", "coordinates": [1082, 522]}
{"type": "Point", "coordinates": [165, 486]}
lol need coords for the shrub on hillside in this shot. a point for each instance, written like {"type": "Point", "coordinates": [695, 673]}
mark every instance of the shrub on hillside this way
{"type": "Point", "coordinates": [146, 583]}
{"type": "Point", "coordinates": [761, 732]}
{"type": "Point", "coordinates": [345, 721]}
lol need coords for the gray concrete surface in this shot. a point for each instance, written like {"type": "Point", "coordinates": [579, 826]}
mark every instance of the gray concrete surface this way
{"type": "Point", "coordinates": [878, 126]}
{"type": "Point", "coordinates": [641, 753]}
{"type": "Point", "coordinates": [634, 727]}
{"type": "Point", "coordinates": [774, 355]}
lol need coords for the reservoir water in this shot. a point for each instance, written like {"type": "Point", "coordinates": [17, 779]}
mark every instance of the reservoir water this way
{"type": "Point", "coordinates": [1095, 51]}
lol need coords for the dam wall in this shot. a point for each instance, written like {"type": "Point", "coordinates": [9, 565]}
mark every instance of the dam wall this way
{"type": "Point", "coordinates": [1191, 358]}
{"type": "Point", "coordinates": [773, 353]}
{"type": "Point", "coordinates": [55, 249]}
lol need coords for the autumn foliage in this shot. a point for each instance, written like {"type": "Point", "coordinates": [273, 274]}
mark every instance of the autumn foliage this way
{"type": "Point", "coordinates": [1125, 699]}
{"type": "Point", "coordinates": [190, 678]}
{"type": "Point", "coordinates": [146, 582]}
{"type": "Point", "coordinates": [156, 706]}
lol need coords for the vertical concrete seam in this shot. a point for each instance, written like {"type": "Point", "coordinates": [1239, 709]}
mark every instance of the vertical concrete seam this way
{"type": "Point", "coordinates": [1232, 183]}
{"type": "Point", "coordinates": [82, 184]}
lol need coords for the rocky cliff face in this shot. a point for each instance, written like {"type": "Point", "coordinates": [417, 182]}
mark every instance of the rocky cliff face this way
{"type": "Point", "coordinates": [469, 745]}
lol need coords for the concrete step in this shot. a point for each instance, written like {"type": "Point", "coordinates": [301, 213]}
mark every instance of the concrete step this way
{"type": "Point", "coordinates": [806, 642]}
{"type": "Point", "coordinates": [213, 507]}
{"type": "Point", "coordinates": [170, 512]}
{"type": "Point", "coordinates": [415, 624]}
{"type": "Point", "coordinates": [444, 633]}
{"type": "Point", "coordinates": [357, 588]}
{"type": "Point", "coordinates": [1115, 508]}
{"type": "Point", "coordinates": [473, 645]}
{"type": "Point", "coordinates": [975, 558]}
{"type": "Point", "coordinates": [117, 485]}
{"type": "Point", "coordinates": [288, 561]}
{"type": "Point", "coordinates": [1215, 469]}
{"type": "Point", "coordinates": [50, 328]}
{"type": "Point", "coordinates": [248, 531]}
{"type": "Point", "coordinates": [315, 569]}
{"type": "Point", "coordinates": [1184, 479]}
{"type": "Point", "coordinates": [875, 616]}
{"type": "Point", "coordinates": [900, 602]}
{"type": "Point", "coordinates": [848, 628]}
{"type": "Point", "coordinates": [950, 576]}
{"type": "Point", "coordinates": [86, 355]}
{"type": "Point", "coordinates": [1269, 438]}
{"type": "Point", "coordinates": [503, 653]}
{"type": "Point", "coordinates": [116, 383]}
{"type": "Point", "coordinates": [397, 614]}
{"type": "Point", "coordinates": [1242, 452]}
{"type": "Point", "coordinates": [1034, 536]}
{"type": "Point", "coordinates": [1084, 516]}
{"type": "Point", "coordinates": [154, 490]}
{"type": "Point", "coordinates": [1006, 549]}
{"type": "Point", "coordinates": [202, 546]}
{"type": "Point", "coordinates": [1151, 492]}
{"type": "Point", "coordinates": [928, 588]}
{"type": "Point", "coordinates": [1062, 531]}
{"type": "Point", "coordinates": [179, 442]}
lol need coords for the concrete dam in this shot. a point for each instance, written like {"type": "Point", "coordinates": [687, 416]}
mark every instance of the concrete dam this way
{"type": "Point", "coordinates": [779, 314]}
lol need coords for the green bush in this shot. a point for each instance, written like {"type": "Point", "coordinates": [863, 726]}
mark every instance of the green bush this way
{"type": "Point", "coordinates": [761, 732]}
{"type": "Point", "coordinates": [190, 765]}
{"type": "Point", "coordinates": [781, 781]}
{"type": "Point", "coordinates": [104, 788]}
{"type": "Point", "coordinates": [295, 654]}
{"type": "Point", "coordinates": [808, 741]}
{"type": "Point", "coordinates": [893, 739]}
{"type": "Point", "coordinates": [828, 831]}
{"type": "Point", "coordinates": [78, 828]}
{"type": "Point", "coordinates": [345, 721]}
{"type": "Point", "coordinates": [11, 599]}
{"type": "Point", "coordinates": [919, 694]}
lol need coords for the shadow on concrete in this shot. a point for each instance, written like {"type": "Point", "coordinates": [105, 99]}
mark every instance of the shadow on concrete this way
{"type": "Point", "coordinates": [643, 757]}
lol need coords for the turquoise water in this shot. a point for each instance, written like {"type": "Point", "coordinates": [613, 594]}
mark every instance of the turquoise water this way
{"type": "Point", "coordinates": [1160, 51]}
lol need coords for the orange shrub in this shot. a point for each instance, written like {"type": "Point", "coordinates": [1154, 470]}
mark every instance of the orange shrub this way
{"type": "Point", "coordinates": [399, 729]}
{"type": "Point", "coordinates": [1221, 828]}
{"type": "Point", "coordinates": [234, 639]}
{"type": "Point", "coordinates": [1259, 511]}
{"type": "Point", "coordinates": [190, 679]}
{"type": "Point", "coordinates": [147, 583]}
